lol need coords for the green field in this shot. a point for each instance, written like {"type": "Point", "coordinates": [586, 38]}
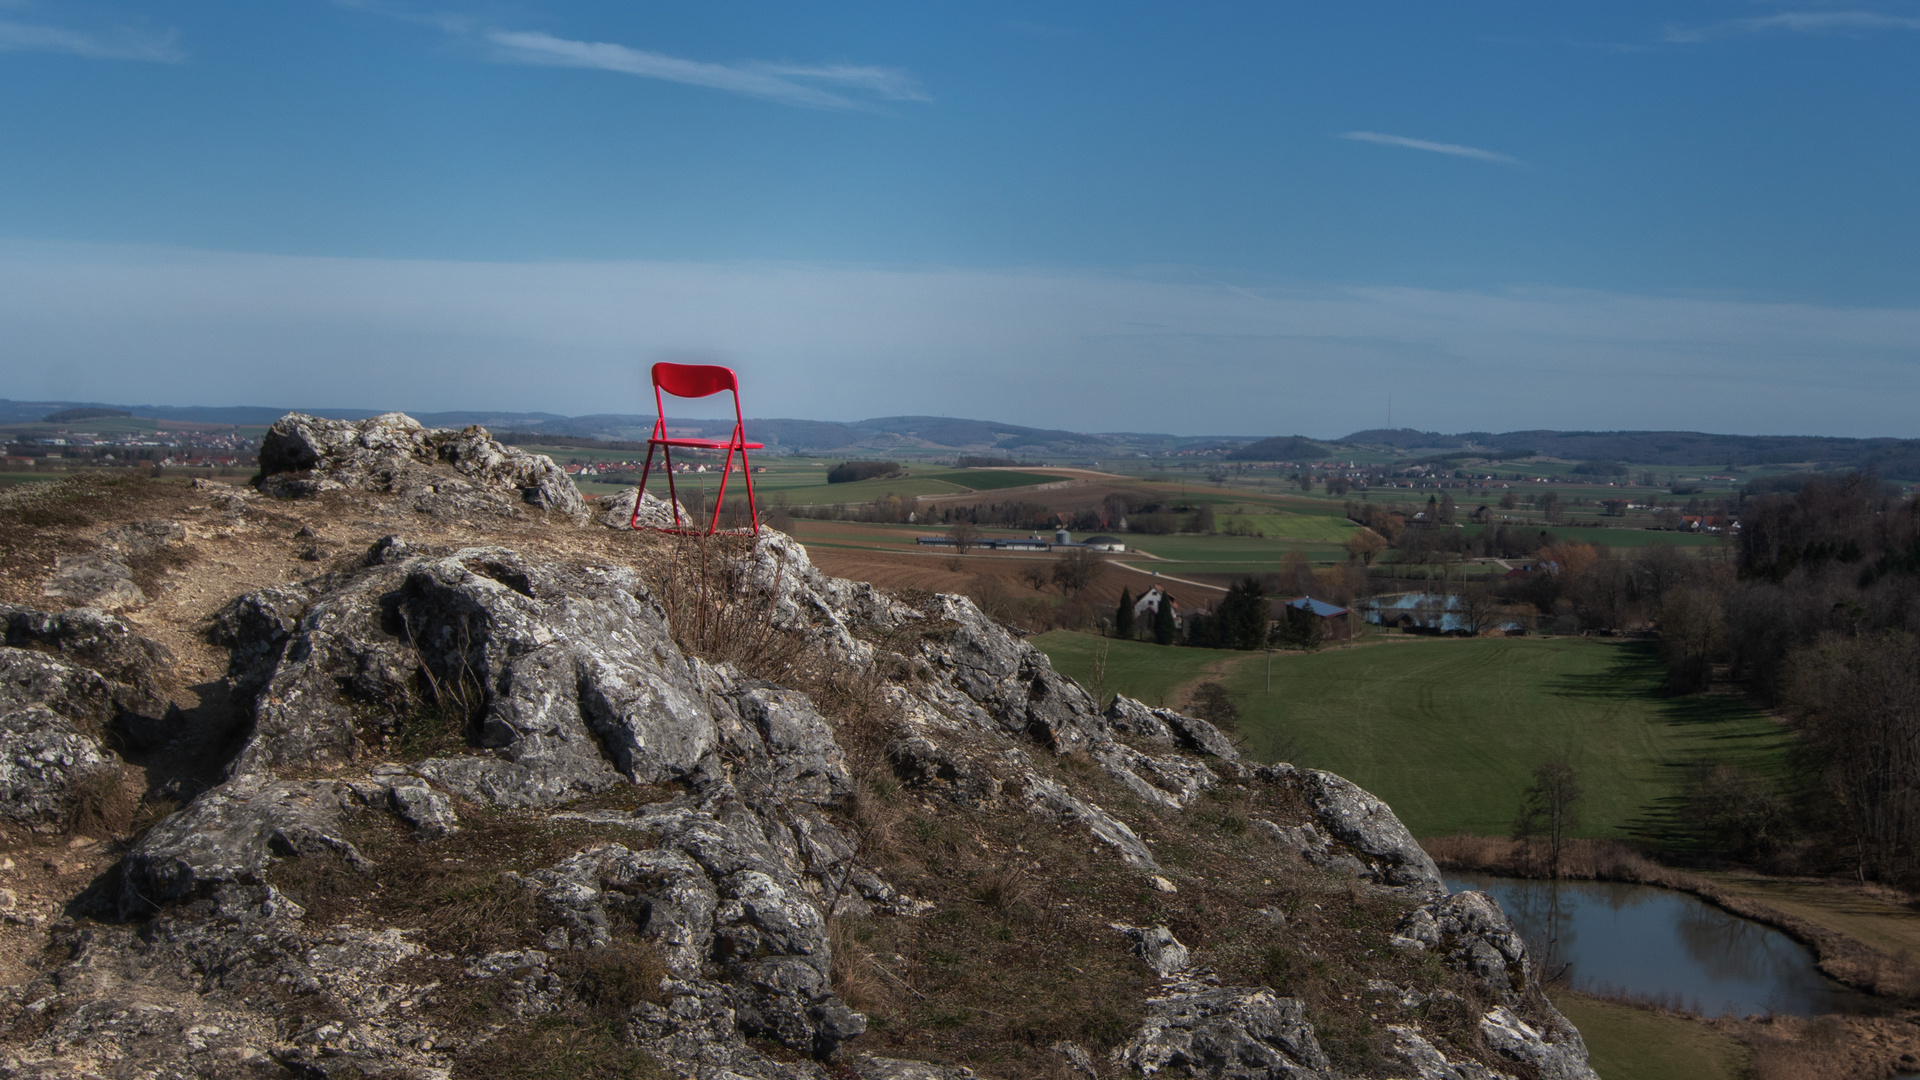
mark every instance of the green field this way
{"type": "Point", "coordinates": [1196, 554]}
{"type": "Point", "coordinates": [1448, 731]}
{"type": "Point", "coordinates": [1290, 526]}
{"type": "Point", "coordinates": [1626, 1043]}
{"type": "Point", "coordinates": [1140, 670]}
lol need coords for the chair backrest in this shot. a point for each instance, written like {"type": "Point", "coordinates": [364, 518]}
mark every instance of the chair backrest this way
{"type": "Point", "coordinates": [694, 380]}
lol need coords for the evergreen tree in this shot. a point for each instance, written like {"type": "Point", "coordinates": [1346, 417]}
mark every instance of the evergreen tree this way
{"type": "Point", "coordinates": [1243, 616]}
{"type": "Point", "coordinates": [1163, 628]}
{"type": "Point", "coordinates": [1123, 618]}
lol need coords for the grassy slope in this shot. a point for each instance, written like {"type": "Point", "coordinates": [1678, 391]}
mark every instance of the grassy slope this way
{"type": "Point", "coordinates": [1879, 920]}
{"type": "Point", "coordinates": [1150, 673]}
{"type": "Point", "coordinates": [1635, 1044]}
{"type": "Point", "coordinates": [1447, 731]}
{"type": "Point", "coordinates": [1314, 527]}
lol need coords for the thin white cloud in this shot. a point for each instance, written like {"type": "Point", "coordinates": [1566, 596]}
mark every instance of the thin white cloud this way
{"type": "Point", "coordinates": [1795, 22]}
{"type": "Point", "coordinates": [1454, 149]}
{"type": "Point", "coordinates": [788, 84]}
{"type": "Point", "coordinates": [121, 45]}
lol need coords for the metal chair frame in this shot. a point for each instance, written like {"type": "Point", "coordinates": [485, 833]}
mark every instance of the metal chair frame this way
{"type": "Point", "coordinates": [696, 381]}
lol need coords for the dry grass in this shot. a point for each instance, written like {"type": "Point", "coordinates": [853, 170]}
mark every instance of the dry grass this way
{"type": "Point", "coordinates": [1020, 950]}
{"type": "Point", "coordinates": [102, 803]}
{"type": "Point", "coordinates": [1827, 1047]}
{"type": "Point", "coordinates": [450, 891]}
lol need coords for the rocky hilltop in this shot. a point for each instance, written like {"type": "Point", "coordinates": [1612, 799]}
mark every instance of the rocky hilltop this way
{"type": "Point", "coordinates": [402, 763]}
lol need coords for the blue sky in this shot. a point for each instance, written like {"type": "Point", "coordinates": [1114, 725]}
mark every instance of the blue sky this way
{"type": "Point", "coordinates": [1226, 217]}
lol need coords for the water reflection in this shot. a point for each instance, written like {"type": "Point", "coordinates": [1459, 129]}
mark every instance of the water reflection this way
{"type": "Point", "coordinates": [1665, 946]}
{"type": "Point", "coordinates": [1423, 611]}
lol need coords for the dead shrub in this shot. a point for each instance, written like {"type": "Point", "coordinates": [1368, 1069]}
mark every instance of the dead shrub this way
{"type": "Point", "coordinates": [875, 810]}
{"type": "Point", "coordinates": [562, 1046]}
{"type": "Point", "coordinates": [714, 612]}
{"type": "Point", "coordinates": [1001, 889]}
{"type": "Point", "coordinates": [609, 981]}
{"type": "Point", "coordinates": [99, 803]}
{"type": "Point", "coordinates": [856, 973]}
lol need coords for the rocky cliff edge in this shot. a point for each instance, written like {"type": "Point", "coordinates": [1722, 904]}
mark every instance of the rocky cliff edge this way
{"type": "Point", "coordinates": [503, 792]}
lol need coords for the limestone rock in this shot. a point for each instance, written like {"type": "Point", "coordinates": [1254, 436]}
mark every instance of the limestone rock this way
{"type": "Point", "coordinates": [423, 679]}
{"type": "Point", "coordinates": [56, 704]}
{"type": "Point", "coordinates": [439, 471]}
{"type": "Point", "coordinates": [1470, 932]}
{"type": "Point", "coordinates": [655, 513]}
{"type": "Point", "coordinates": [1366, 825]}
{"type": "Point", "coordinates": [1158, 947]}
{"type": "Point", "coordinates": [1428, 1063]}
{"type": "Point", "coordinates": [95, 580]}
{"type": "Point", "coordinates": [42, 757]}
{"type": "Point", "coordinates": [92, 638]}
{"type": "Point", "coordinates": [569, 676]}
{"type": "Point", "coordinates": [230, 834]}
{"type": "Point", "coordinates": [1230, 1033]}
{"type": "Point", "coordinates": [1554, 1053]}
{"type": "Point", "coordinates": [429, 812]}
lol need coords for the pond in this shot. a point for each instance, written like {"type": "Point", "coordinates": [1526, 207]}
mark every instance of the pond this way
{"type": "Point", "coordinates": [1665, 947]}
{"type": "Point", "coordinates": [1423, 610]}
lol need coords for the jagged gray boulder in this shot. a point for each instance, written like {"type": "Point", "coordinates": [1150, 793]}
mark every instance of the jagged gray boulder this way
{"type": "Point", "coordinates": [95, 639]}
{"type": "Point", "coordinates": [42, 758]}
{"type": "Point", "coordinates": [568, 676]}
{"type": "Point", "coordinates": [655, 513]}
{"type": "Point", "coordinates": [229, 835]}
{"type": "Point", "coordinates": [1554, 1052]}
{"type": "Point", "coordinates": [1470, 932]}
{"type": "Point", "coordinates": [1225, 1033]}
{"type": "Point", "coordinates": [440, 471]}
{"type": "Point", "coordinates": [1386, 850]}
{"type": "Point", "coordinates": [61, 690]}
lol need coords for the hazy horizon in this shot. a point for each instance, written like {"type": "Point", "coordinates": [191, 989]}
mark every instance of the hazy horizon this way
{"type": "Point", "coordinates": [1101, 217]}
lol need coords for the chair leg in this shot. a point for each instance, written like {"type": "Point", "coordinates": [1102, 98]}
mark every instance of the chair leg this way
{"type": "Point", "coordinates": [673, 494]}
{"type": "Point", "coordinates": [746, 470]}
{"type": "Point", "coordinates": [720, 498]}
{"type": "Point", "coordinates": [642, 493]}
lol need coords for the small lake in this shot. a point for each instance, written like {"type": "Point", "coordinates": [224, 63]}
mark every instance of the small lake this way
{"type": "Point", "coordinates": [1665, 946]}
{"type": "Point", "coordinates": [1428, 611]}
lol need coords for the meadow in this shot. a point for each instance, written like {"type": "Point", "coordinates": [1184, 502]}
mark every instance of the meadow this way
{"type": "Point", "coordinates": [1155, 674]}
{"type": "Point", "coordinates": [1448, 731]}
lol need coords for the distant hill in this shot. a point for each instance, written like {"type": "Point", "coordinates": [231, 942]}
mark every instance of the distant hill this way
{"type": "Point", "coordinates": [1892, 458]}
{"type": "Point", "coordinates": [68, 415]}
{"type": "Point", "coordinates": [1281, 448]}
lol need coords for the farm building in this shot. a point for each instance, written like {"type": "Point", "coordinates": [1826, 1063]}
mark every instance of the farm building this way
{"type": "Point", "coordinates": [1103, 543]}
{"type": "Point", "coordinates": [1331, 618]}
{"type": "Point", "coordinates": [1148, 606]}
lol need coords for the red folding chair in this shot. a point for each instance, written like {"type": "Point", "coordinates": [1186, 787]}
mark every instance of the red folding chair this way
{"type": "Point", "coordinates": [696, 381]}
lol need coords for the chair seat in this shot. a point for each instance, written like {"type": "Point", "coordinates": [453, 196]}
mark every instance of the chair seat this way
{"type": "Point", "coordinates": [708, 444]}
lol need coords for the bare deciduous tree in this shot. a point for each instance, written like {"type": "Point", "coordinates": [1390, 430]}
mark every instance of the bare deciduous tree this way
{"type": "Point", "coordinates": [1546, 809]}
{"type": "Point", "coordinates": [1365, 545]}
{"type": "Point", "coordinates": [1078, 569]}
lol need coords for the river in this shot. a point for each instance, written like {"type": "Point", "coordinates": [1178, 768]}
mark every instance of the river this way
{"type": "Point", "coordinates": [1666, 947]}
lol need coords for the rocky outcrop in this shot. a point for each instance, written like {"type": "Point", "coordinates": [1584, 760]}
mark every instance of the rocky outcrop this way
{"type": "Point", "coordinates": [414, 700]}
{"type": "Point", "coordinates": [438, 471]}
{"type": "Point", "coordinates": [1232, 1032]}
{"type": "Point", "coordinates": [655, 513]}
{"type": "Point", "coordinates": [65, 680]}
